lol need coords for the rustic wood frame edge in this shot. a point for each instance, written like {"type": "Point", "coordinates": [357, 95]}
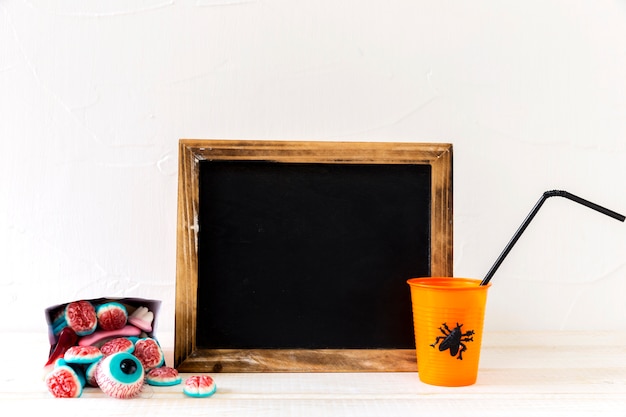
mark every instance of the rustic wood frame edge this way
{"type": "Point", "coordinates": [188, 358]}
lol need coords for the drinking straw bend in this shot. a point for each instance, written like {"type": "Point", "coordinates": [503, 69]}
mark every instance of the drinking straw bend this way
{"type": "Point", "coordinates": [531, 215]}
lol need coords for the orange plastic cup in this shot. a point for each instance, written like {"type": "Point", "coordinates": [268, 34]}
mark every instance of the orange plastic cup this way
{"type": "Point", "coordinates": [448, 316]}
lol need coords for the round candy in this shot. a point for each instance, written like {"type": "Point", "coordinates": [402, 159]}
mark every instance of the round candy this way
{"type": "Point", "coordinates": [199, 386]}
{"type": "Point", "coordinates": [119, 344]}
{"type": "Point", "coordinates": [120, 375]}
{"type": "Point", "coordinates": [149, 352]}
{"type": "Point", "coordinates": [59, 323]}
{"type": "Point", "coordinates": [82, 354]}
{"type": "Point", "coordinates": [78, 370]}
{"type": "Point", "coordinates": [111, 316]}
{"type": "Point", "coordinates": [81, 316]}
{"type": "Point", "coordinates": [63, 382]}
{"type": "Point", "coordinates": [90, 374]}
{"type": "Point", "coordinates": [163, 376]}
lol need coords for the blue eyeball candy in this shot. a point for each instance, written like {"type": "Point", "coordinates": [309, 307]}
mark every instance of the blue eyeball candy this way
{"type": "Point", "coordinates": [120, 375]}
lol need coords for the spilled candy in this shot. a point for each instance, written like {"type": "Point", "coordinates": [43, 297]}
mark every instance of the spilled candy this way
{"type": "Point", "coordinates": [108, 345]}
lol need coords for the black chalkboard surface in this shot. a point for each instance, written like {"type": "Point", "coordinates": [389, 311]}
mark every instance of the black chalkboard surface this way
{"type": "Point", "coordinates": [294, 256]}
{"type": "Point", "coordinates": [310, 255]}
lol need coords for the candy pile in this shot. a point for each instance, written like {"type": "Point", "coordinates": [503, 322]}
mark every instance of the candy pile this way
{"type": "Point", "coordinates": [102, 345]}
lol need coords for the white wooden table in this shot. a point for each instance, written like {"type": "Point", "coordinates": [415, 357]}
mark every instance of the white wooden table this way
{"type": "Point", "coordinates": [521, 374]}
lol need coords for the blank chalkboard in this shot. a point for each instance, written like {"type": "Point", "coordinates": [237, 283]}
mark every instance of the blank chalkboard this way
{"type": "Point", "coordinates": [294, 256]}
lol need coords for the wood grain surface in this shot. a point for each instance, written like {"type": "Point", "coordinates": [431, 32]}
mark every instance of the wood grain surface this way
{"type": "Point", "coordinates": [521, 374]}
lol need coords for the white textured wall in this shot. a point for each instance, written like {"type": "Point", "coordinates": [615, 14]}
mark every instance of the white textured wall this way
{"type": "Point", "coordinates": [95, 95]}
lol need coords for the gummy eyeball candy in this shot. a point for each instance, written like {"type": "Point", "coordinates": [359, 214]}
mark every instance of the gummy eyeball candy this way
{"type": "Point", "coordinates": [120, 375]}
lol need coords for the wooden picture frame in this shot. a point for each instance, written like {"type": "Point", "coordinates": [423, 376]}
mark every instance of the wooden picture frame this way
{"type": "Point", "coordinates": [189, 357]}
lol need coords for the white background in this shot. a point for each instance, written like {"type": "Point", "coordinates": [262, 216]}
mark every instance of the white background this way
{"type": "Point", "coordinates": [94, 97]}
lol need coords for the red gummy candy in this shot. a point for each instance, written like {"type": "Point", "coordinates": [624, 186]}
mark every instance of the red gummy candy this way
{"type": "Point", "coordinates": [111, 316]}
{"type": "Point", "coordinates": [63, 382]}
{"type": "Point", "coordinates": [67, 339]}
{"type": "Point", "coordinates": [163, 376]}
{"type": "Point", "coordinates": [81, 316]}
{"type": "Point", "coordinates": [82, 355]}
{"type": "Point", "coordinates": [119, 344]}
{"type": "Point", "coordinates": [149, 353]}
{"type": "Point", "coordinates": [199, 386]}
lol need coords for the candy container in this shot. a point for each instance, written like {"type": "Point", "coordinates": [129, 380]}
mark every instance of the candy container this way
{"type": "Point", "coordinates": [120, 375]}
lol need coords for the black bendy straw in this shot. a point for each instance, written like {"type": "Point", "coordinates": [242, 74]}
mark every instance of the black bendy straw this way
{"type": "Point", "coordinates": [531, 215]}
